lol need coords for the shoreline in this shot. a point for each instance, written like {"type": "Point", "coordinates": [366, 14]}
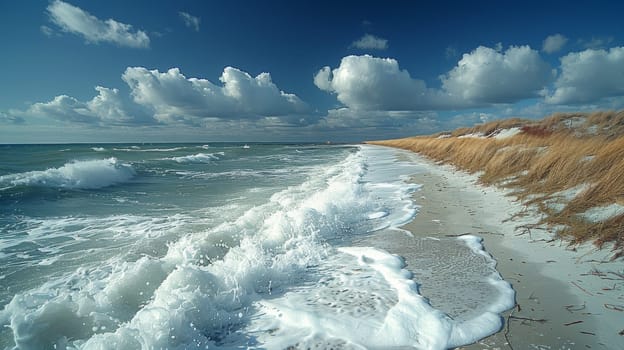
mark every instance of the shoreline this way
{"type": "Point", "coordinates": [564, 299]}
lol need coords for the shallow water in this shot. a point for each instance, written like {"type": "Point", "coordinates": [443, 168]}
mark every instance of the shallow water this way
{"type": "Point", "coordinates": [220, 245]}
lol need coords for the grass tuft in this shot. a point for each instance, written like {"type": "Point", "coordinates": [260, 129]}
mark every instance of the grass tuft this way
{"type": "Point", "coordinates": [547, 158]}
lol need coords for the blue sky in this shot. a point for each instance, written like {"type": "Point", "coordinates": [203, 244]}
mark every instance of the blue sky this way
{"type": "Point", "coordinates": [148, 71]}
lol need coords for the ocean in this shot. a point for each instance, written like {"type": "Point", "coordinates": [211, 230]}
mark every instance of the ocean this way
{"type": "Point", "coordinates": [227, 246]}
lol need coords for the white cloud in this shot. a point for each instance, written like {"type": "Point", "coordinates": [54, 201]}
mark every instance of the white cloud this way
{"type": "Point", "coordinates": [172, 96]}
{"type": "Point", "coordinates": [106, 108]}
{"type": "Point", "coordinates": [190, 20]}
{"type": "Point", "coordinates": [589, 76]}
{"type": "Point", "coordinates": [64, 108]}
{"type": "Point", "coordinates": [482, 77]}
{"type": "Point", "coordinates": [488, 76]}
{"type": "Point", "coordinates": [74, 20]}
{"type": "Point", "coordinates": [323, 78]}
{"type": "Point", "coordinates": [109, 107]}
{"type": "Point", "coordinates": [371, 83]}
{"type": "Point", "coordinates": [554, 43]}
{"type": "Point", "coordinates": [377, 93]}
{"type": "Point", "coordinates": [372, 42]}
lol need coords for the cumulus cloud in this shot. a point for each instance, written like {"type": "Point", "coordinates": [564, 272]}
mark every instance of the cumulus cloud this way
{"type": "Point", "coordinates": [106, 108]}
{"type": "Point", "coordinates": [488, 76]}
{"type": "Point", "coordinates": [554, 43]}
{"type": "Point", "coordinates": [72, 19]}
{"type": "Point", "coordinates": [172, 96]}
{"type": "Point", "coordinates": [111, 108]}
{"type": "Point", "coordinates": [372, 42]}
{"type": "Point", "coordinates": [64, 108]}
{"type": "Point", "coordinates": [371, 83]}
{"type": "Point", "coordinates": [589, 76]}
{"type": "Point", "coordinates": [483, 77]}
{"type": "Point", "coordinates": [323, 79]}
{"type": "Point", "coordinates": [190, 20]}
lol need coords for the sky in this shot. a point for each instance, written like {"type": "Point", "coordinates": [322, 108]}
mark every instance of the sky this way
{"type": "Point", "coordinates": [298, 71]}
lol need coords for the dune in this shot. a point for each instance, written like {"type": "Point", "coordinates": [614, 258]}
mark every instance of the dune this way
{"type": "Point", "coordinates": [547, 196]}
{"type": "Point", "coordinates": [570, 166]}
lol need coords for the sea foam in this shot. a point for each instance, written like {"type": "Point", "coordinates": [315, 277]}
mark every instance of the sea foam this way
{"type": "Point", "coordinates": [85, 174]}
{"type": "Point", "coordinates": [203, 289]}
{"type": "Point", "coordinates": [199, 158]}
{"type": "Point", "coordinates": [283, 274]}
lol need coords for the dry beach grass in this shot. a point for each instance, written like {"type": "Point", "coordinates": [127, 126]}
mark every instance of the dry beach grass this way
{"type": "Point", "coordinates": [571, 166]}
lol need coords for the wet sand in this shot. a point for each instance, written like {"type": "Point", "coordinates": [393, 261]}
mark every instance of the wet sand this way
{"type": "Point", "coordinates": [560, 302]}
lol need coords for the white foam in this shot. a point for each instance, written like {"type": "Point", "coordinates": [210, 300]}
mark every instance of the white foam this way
{"type": "Point", "coordinates": [380, 309]}
{"type": "Point", "coordinates": [490, 320]}
{"type": "Point", "coordinates": [388, 183]}
{"type": "Point", "coordinates": [377, 215]}
{"type": "Point", "coordinates": [226, 286]}
{"type": "Point", "coordinates": [199, 289]}
{"type": "Point", "coordinates": [139, 149]}
{"type": "Point", "coordinates": [86, 174]}
{"type": "Point", "coordinates": [199, 158]}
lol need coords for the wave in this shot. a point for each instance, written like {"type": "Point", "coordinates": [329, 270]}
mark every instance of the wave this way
{"type": "Point", "coordinates": [198, 158]}
{"type": "Point", "coordinates": [203, 287]}
{"type": "Point", "coordinates": [139, 149]}
{"type": "Point", "coordinates": [130, 149]}
{"type": "Point", "coordinates": [270, 278]}
{"type": "Point", "coordinates": [85, 174]}
{"type": "Point", "coordinates": [241, 173]}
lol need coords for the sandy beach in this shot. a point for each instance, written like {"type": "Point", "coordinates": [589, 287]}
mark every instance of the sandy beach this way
{"type": "Point", "coordinates": [567, 297]}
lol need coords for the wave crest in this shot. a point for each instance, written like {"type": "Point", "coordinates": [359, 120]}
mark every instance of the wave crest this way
{"type": "Point", "coordinates": [85, 174]}
{"type": "Point", "coordinates": [198, 158]}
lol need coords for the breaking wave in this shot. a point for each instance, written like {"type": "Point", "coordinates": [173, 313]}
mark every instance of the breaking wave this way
{"type": "Point", "coordinates": [198, 158]}
{"type": "Point", "coordinates": [85, 174]}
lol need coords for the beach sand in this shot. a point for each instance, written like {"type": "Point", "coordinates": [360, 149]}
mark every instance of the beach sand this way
{"type": "Point", "coordinates": [567, 298]}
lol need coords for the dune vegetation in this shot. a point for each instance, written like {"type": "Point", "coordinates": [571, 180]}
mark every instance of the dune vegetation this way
{"type": "Point", "coordinates": [570, 166]}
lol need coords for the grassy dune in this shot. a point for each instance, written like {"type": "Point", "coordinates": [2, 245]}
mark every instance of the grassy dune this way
{"type": "Point", "coordinates": [570, 165]}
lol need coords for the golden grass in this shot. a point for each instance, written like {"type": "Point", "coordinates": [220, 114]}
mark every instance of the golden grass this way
{"type": "Point", "coordinates": [551, 155]}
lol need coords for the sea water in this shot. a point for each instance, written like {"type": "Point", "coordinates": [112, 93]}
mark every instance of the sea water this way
{"type": "Point", "coordinates": [228, 246]}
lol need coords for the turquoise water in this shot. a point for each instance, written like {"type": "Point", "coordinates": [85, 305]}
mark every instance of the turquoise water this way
{"type": "Point", "coordinates": [56, 201]}
{"type": "Point", "coordinates": [184, 246]}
